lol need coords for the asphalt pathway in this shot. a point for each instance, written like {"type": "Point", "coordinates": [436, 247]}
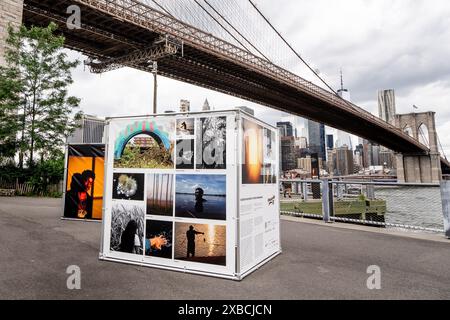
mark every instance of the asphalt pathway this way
{"type": "Point", "coordinates": [318, 262]}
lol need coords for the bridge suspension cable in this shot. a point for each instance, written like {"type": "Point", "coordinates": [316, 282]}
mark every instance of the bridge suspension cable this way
{"type": "Point", "coordinates": [440, 145]}
{"type": "Point", "coordinates": [292, 49]}
{"type": "Point", "coordinates": [231, 25]}
{"type": "Point", "coordinates": [221, 25]}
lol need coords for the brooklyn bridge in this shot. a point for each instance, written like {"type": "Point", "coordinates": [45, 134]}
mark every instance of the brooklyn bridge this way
{"type": "Point", "coordinates": [133, 33]}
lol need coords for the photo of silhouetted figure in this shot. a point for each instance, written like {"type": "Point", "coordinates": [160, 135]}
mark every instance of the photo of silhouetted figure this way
{"type": "Point", "coordinates": [190, 236]}
{"type": "Point", "coordinates": [129, 241]}
{"type": "Point", "coordinates": [79, 199]}
{"type": "Point", "coordinates": [206, 243]}
{"type": "Point", "coordinates": [199, 200]}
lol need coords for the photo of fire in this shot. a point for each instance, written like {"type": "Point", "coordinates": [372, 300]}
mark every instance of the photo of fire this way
{"type": "Point", "coordinates": [203, 243]}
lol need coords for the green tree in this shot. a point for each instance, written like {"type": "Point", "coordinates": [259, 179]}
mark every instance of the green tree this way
{"type": "Point", "coordinates": [9, 104]}
{"type": "Point", "coordinates": [38, 75]}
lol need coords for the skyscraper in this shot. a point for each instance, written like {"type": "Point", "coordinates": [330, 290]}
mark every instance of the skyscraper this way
{"type": "Point", "coordinates": [343, 138]}
{"type": "Point", "coordinates": [386, 105]}
{"type": "Point", "coordinates": [386, 111]}
{"type": "Point", "coordinates": [286, 129]}
{"type": "Point", "coordinates": [316, 138]}
{"type": "Point", "coordinates": [206, 106]}
{"type": "Point", "coordinates": [185, 106]}
{"type": "Point", "coordinates": [330, 141]}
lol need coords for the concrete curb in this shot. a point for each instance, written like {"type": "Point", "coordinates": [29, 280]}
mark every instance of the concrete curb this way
{"type": "Point", "coordinates": [393, 232]}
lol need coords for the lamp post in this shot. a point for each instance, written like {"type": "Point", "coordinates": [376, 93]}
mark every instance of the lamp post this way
{"type": "Point", "coordinates": [155, 85]}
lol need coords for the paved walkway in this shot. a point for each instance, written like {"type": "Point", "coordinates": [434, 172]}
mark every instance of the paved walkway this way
{"type": "Point", "coordinates": [318, 262]}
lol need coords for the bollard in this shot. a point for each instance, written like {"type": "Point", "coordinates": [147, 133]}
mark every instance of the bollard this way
{"type": "Point", "coordinates": [445, 196]}
{"type": "Point", "coordinates": [370, 192]}
{"type": "Point", "coordinates": [305, 191]}
{"type": "Point", "coordinates": [327, 200]}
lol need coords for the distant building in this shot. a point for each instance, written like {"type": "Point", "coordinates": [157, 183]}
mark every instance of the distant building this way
{"type": "Point", "coordinates": [206, 106]}
{"type": "Point", "coordinates": [359, 155]}
{"type": "Point", "coordinates": [286, 129]}
{"type": "Point", "coordinates": [144, 142]}
{"type": "Point", "coordinates": [247, 110]}
{"type": "Point", "coordinates": [90, 130]}
{"type": "Point", "coordinates": [301, 143]}
{"type": "Point", "coordinates": [316, 138]}
{"type": "Point", "coordinates": [185, 106]}
{"type": "Point", "coordinates": [367, 153]}
{"type": "Point", "coordinates": [344, 162]}
{"type": "Point", "coordinates": [304, 163]}
{"type": "Point", "coordinates": [288, 153]}
{"type": "Point", "coordinates": [330, 141]}
{"type": "Point", "coordinates": [357, 159]}
{"type": "Point", "coordinates": [386, 105]}
{"type": "Point", "coordinates": [343, 138]}
{"type": "Point", "coordinates": [376, 155]}
{"type": "Point", "coordinates": [371, 154]}
{"type": "Point", "coordinates": [387, 159]}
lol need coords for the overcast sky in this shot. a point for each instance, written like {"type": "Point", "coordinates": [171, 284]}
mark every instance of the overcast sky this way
{"type": "Point", "coordinates": [379, 44]}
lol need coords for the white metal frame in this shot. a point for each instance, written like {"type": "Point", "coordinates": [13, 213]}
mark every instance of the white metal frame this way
{"type": "Point", "coordinates": [232, 172]}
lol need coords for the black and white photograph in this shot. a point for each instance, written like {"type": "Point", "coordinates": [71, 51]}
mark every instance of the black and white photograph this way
{"type": "Point", "coordinates": [185, 127]}
{"type": "Point", "coordinates": [211, 143]}
{"type": "Point", "coordinates": [185, 154]}
{"type": "Point", "coordinates": [127, 228]}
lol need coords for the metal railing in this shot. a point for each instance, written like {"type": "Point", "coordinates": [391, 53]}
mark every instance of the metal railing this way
{"type": "Point", "coordinates": [406, 206]}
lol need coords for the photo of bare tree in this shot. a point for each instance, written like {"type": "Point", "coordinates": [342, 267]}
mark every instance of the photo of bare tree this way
{"type": "Point", "coordinates": [211, 143]}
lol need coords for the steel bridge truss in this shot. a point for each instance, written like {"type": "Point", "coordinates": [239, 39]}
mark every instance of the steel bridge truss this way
{"type": "Point", "coordinates": [140, 58]}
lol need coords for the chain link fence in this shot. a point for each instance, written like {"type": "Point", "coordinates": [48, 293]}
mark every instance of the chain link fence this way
{"type": "Point", "coordinates": [377, 204]}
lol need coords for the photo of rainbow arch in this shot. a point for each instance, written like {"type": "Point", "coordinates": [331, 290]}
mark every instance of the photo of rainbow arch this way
{"type": "Point", "coordinates": [84, 182]}
{"type": "Point", "coordinates": [145, 144]}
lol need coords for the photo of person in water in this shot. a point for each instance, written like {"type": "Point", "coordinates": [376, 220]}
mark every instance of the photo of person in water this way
{"type": "Point", "coordinates": [200, 196]}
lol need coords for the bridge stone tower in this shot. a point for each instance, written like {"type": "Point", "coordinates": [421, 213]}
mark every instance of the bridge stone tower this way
{"type": "Point", "coordinates": [419, 168]}
{"type": "Point", "coordinates": [10, 13]}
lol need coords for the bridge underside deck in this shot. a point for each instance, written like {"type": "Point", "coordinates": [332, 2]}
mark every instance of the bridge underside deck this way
{"type": "Point", "coordinates": [103, 37]}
